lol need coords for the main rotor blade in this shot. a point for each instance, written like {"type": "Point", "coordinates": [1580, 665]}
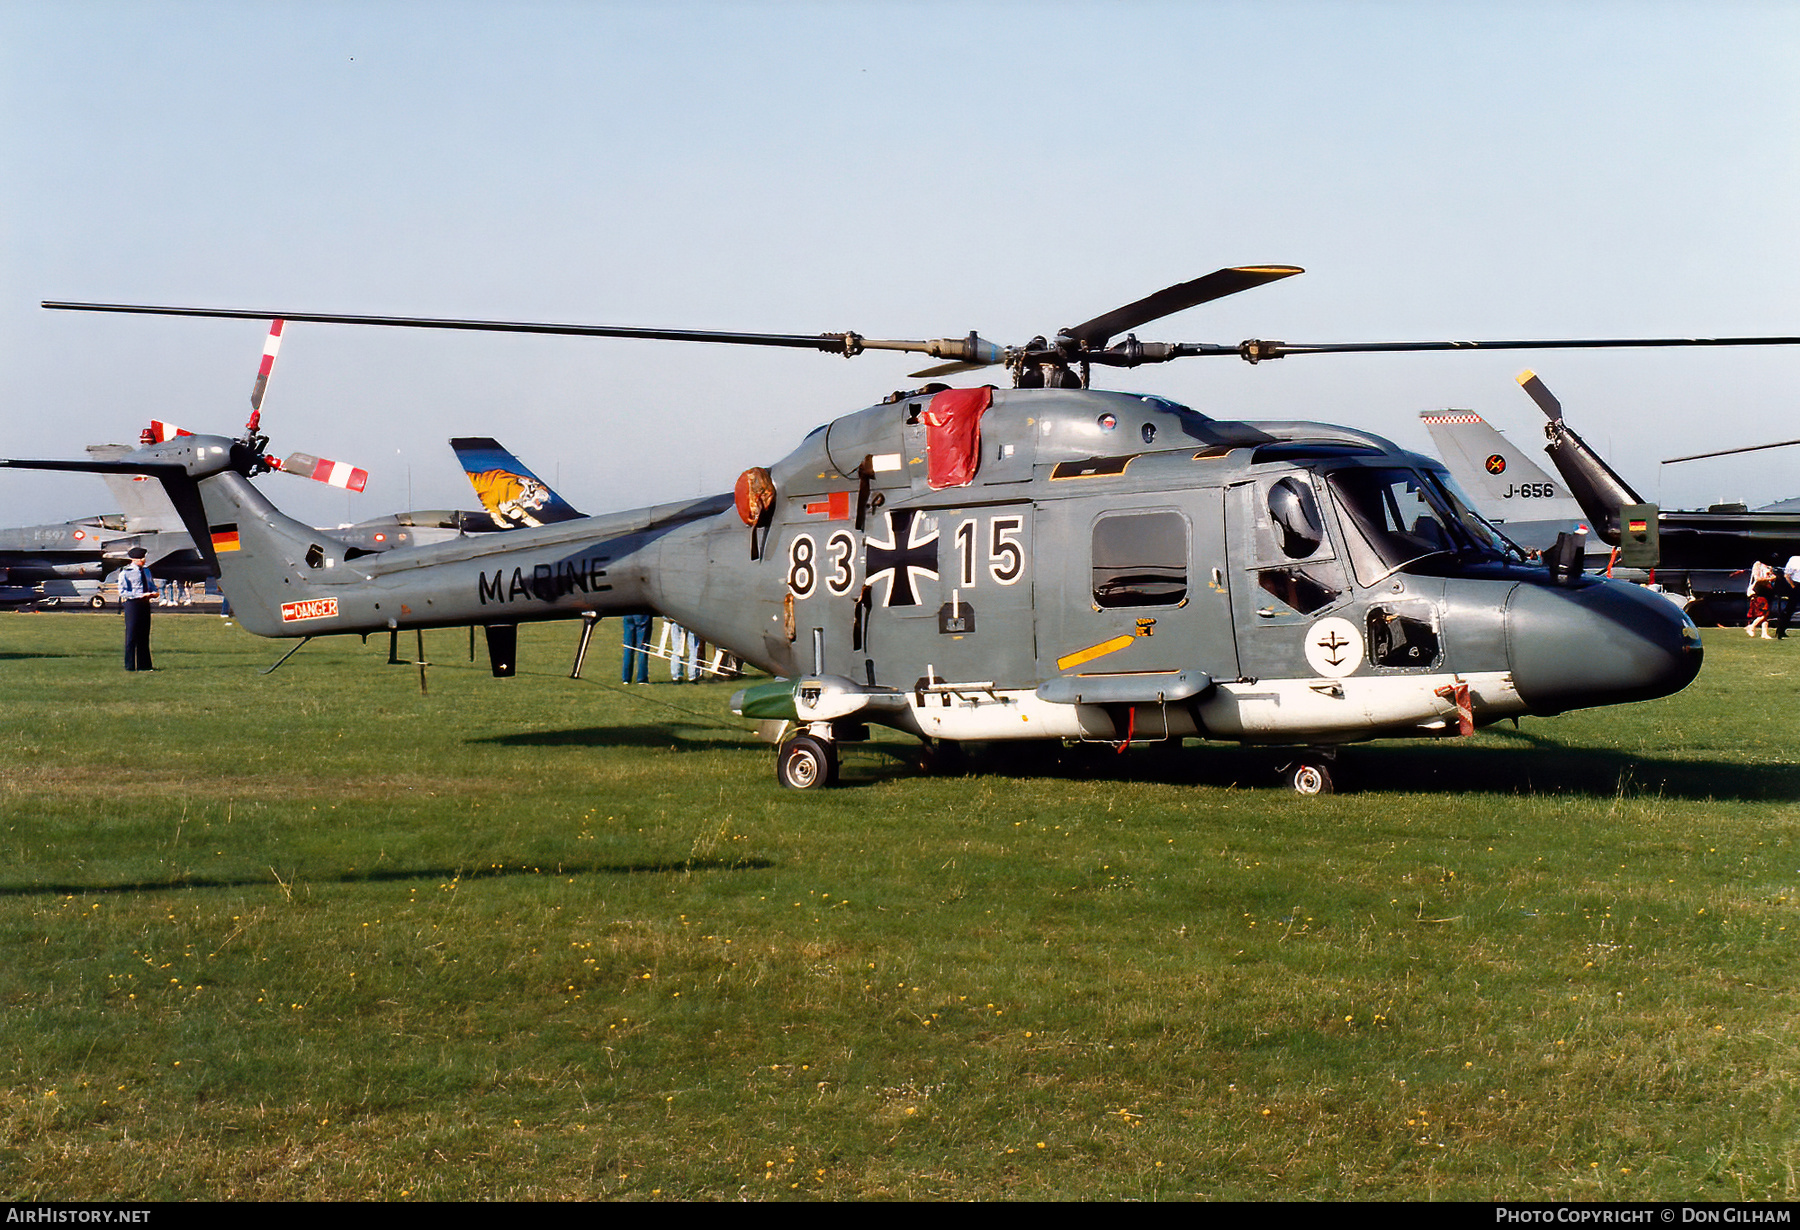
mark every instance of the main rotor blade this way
{"type": "Point", "coordinates": [834, 343]}
{"type": "Point", "coordinates": [1256, 350]}
{"type": "Point", "coordinates": [946, 369]}
{"type": "Point", "coordinates": [1215, 285]}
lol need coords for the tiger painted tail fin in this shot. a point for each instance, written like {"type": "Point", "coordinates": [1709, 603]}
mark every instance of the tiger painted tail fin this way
{"type": "Point", "coordinates": [513, 496]}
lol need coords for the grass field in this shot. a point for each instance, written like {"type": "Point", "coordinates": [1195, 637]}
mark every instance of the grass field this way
{"type": "Point", "coordinates": [315, 935]}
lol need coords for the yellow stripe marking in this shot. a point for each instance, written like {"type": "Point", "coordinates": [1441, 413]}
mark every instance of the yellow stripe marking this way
{"type": "Point", "coordinates": [1093, 651]}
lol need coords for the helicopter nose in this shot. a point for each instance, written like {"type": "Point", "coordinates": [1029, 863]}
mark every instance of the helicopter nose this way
{"type": "Point", "coordinates": [1597, 643]}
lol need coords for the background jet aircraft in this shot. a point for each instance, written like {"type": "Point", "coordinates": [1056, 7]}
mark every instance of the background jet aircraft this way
{"type": "Point", "coordinates": [1509, 488]}
{"type": "Point", "coordinates": [70, 550]}
{"type": "Point", "coordinates": [89, 548]}
{"type": "Point", "coordinates": [513, 496]}
{"type": "Point", "coordinates": [92, 548]}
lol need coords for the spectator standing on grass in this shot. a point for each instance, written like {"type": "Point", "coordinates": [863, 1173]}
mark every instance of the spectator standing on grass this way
{"type": "Point", "coordinates": [681, 653]}
{"type": "Point", "coordinates": [1787, 589]}
{"type": "Point", "coordinates": [636, 658]}
{"type": "Point", "coordinates": [137, 590]}
{"type": "Point", "coordinates": [1762, 589]}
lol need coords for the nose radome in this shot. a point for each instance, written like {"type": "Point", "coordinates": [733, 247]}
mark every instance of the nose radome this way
{"type": "Point", "coordinates": [1597, 642]}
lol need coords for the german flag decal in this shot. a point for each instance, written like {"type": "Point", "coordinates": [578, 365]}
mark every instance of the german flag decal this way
{"type": "Point", "coordinates": [225, 537]}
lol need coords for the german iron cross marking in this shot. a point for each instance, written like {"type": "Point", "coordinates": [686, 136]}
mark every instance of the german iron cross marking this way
{"type": "Point", "coordinates": [908, 557]}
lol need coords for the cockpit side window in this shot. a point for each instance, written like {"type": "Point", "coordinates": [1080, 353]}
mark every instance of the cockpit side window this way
{"type": "Point", "coordinates": [1294, 513]}
{"type": "Point", "coordinates": [1295, 561]}
{"type": "Point", "coordinates": [1396, 518]}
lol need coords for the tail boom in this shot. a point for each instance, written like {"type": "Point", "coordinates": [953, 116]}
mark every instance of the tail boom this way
{"type": "Point", "coordinates": [286, 579]}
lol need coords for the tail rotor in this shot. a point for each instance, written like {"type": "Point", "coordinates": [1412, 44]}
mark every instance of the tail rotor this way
{"type": "Point", "coordinates": [303, 465]}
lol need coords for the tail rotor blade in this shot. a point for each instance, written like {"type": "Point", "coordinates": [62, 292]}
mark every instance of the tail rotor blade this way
{"type": "Point", "coordinates": [271, 348]}
{"type": "Point", "coordinates": [320, 469]}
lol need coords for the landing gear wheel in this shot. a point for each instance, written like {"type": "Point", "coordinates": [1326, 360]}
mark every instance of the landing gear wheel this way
{"type": "Point", "coordinates": [806, 762]}
{"type": "Point", "coordinates": [97, 602]}
{"type": "Point", "coordinates": [1311, 777]}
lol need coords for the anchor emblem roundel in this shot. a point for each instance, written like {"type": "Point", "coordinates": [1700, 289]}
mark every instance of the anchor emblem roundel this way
{"type": "Point", "coordinates": [1334, 647]}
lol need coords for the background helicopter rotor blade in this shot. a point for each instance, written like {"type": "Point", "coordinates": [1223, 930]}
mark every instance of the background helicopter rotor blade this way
{"type": "Point", "coordinates": [1215, 285]}
{"type": "Point", "coordinates": [1540, 393]}
{"type": "Point", "coordinates": [1726, 452]}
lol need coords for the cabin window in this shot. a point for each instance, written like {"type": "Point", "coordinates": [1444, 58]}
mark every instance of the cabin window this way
{"type": "Point", "coordinates": [1140, 559]}
{"type": "Point", "coordinates": [1304, 589]}
{"type": "Point", "coordinates": [1402, 635]}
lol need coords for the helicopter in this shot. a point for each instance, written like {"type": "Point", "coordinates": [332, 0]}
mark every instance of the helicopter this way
{"type": "Point", "coordinates": [1704, 553]}
{"type": "Point", "coordinates": [1047, 561]}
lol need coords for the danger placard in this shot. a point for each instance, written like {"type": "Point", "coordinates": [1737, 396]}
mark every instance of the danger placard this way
{"type": "Point", "coordinates": [312, 608]}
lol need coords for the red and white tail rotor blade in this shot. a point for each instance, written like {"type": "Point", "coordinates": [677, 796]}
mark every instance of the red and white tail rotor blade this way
{"type": "Point", "coordinates": [319, 469]}
{"type": "Point", "coordinates": [271, 348]}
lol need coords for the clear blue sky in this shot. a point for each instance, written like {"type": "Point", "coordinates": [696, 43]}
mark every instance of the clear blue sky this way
{"type": "Point", "coordinates": [900, 169]}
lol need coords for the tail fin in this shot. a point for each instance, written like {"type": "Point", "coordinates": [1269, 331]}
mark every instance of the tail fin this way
{"type": "Point", "coordinates": [513, 495]}
{"type": "Point", "coordinates": [146, 505]}
{"type": "Point", "coordinates": [1507, 486]}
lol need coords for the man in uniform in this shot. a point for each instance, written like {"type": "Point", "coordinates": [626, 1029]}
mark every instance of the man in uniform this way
{"type": "Point", "coordinates": [137, 590]}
